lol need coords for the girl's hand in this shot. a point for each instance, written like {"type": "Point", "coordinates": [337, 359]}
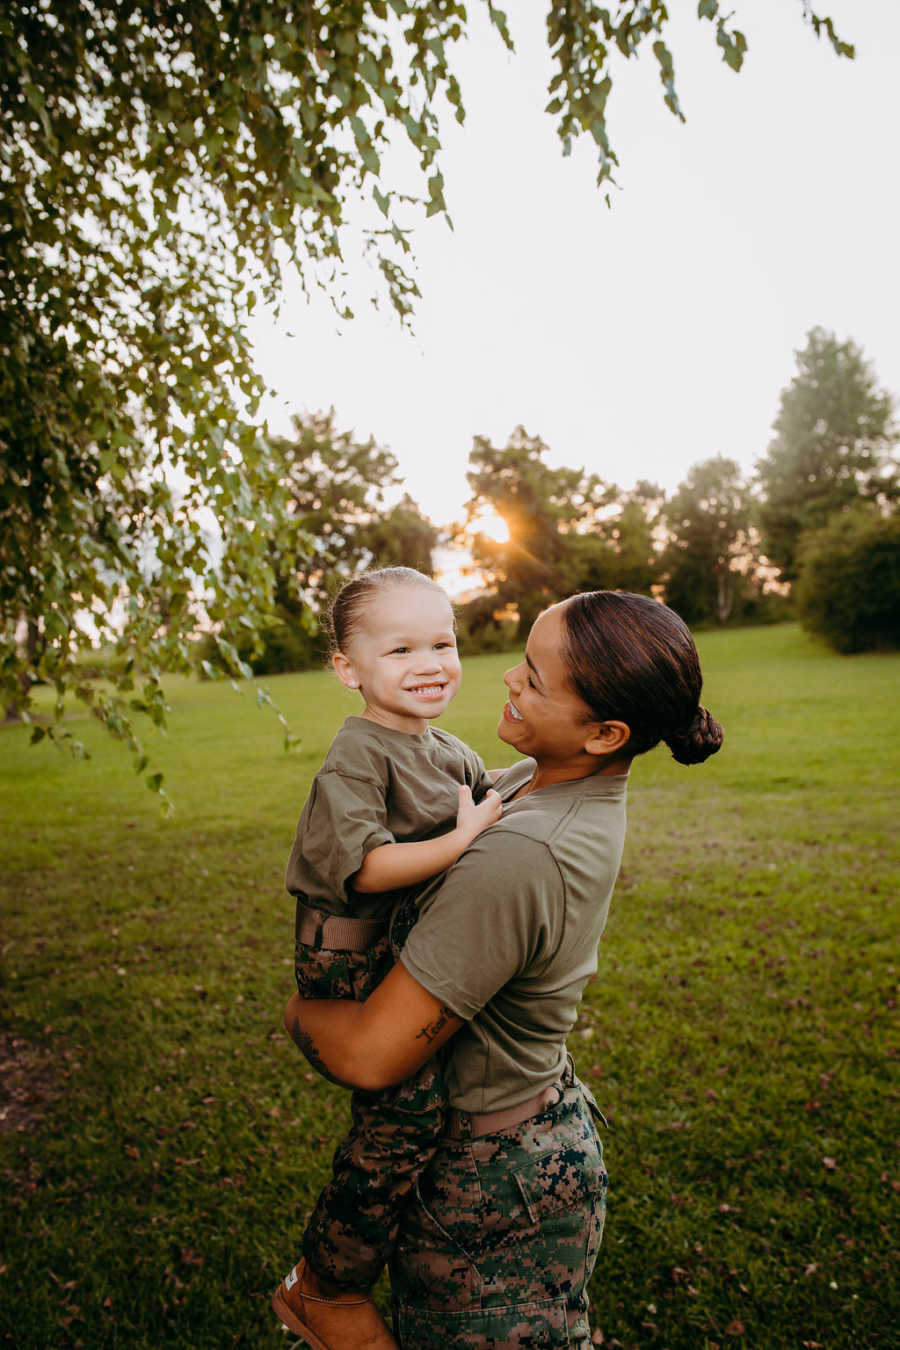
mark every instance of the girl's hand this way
{"type": "Point", "coordinates": [472, 819]}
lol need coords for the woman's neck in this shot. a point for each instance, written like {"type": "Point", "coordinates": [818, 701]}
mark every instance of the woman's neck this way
{"type": "Point", "coordinates": [546, 773]}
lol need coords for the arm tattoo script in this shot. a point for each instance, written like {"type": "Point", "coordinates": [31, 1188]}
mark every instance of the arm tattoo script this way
{"type": "Point", "coordinates": [307, 1045]}
{"type": "Point", "coordinates": [431, 1029]}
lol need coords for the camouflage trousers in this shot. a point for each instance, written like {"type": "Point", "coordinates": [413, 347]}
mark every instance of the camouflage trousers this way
{"type": "Point", "coordinates": [393, 1136]}
{"type": "Point", "coordinates": [496, 1251]}
{"type": "Point", "coordinates": [325, 973]}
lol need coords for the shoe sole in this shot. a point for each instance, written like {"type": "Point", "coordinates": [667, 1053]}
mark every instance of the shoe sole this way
{"type": "Point", "coordinates": [289, 1318]}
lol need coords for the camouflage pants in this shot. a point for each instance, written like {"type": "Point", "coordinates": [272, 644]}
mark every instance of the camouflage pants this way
{"type": "Point", "coordinates": [324, 973]}
{"type": "Point", "coordinates": [393, 1136]}
{"type": "Point", "coordinates": [497, 1250]}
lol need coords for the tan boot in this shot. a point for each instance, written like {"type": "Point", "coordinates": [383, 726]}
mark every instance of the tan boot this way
{"type": "Point", "coordinates": [340, 1322]}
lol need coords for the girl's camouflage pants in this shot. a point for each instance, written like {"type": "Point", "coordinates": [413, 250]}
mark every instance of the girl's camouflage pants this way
{"type": "Point", "coordinates": [497, 1249]}
{"type": "Point", "coordinates": [393, 1136]}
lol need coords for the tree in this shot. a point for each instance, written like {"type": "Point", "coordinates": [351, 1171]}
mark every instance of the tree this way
{"type": "Point", "coordinates": [833, 434]}
{"type": "Point", "coordinates": [619, 550]}
{"type": "Point", "coordinates": [542, 508]}
{"type": "Point", "coordinates": [334, 487]}
{"type": "Point", "coordinates": [708, 519]}
{"type": "Point", "coordinates": [160, 166]}
{"type": "Point", "coordinates": [848, 586]}
{"type": "Point", "coordinates": [402, 537]}
{"type": "Point", "coordinates": [337, 527]}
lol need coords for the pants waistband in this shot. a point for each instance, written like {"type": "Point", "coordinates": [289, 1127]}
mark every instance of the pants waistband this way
{"type": "Point", "coordinates": [474, 1124]}
{"type": "Point", "coordinates": [335, 932]}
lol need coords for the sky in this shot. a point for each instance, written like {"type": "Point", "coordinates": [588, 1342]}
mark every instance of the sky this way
{"type": "Point", "coordinates": [641, 338]}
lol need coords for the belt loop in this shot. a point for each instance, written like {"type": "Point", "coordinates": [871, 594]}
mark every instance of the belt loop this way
{"type": "Point", "coordinates": [305, 909]}
{"type": "Point", "coordinates": [460, 1124]}
{"type": "Point", "coordinates": [592, 1104]}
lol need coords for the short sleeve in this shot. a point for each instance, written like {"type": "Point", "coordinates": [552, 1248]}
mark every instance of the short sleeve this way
{"type": "Point", "coordinates": [495, 914]}
{"type": "Point", "coordinates": [344, 819]}
{"type": "Point", "coordinates": [477, 776]}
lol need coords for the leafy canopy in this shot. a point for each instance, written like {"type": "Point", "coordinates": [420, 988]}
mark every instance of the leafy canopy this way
{"type": "Point", "coordinates": [708, 521]}
{"type": "Point", "coordinates": [568, 530]}
{"type": "Point", "coordinates": [833, 436]}
{"type": "Point", "coordinates": [335, 486]}
{"type": "Point", "coordinates": [160, 166]}
{"type": "Point", "coordinates": [848, 588]}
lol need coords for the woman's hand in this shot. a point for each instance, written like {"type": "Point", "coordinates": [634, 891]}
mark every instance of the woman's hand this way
{"type": "Point", "coordinates": [373, 1044]}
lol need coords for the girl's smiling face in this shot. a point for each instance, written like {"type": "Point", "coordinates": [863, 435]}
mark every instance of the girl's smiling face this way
{"type": "Point", "coordinates": [402, 657]}
{"type": "Point", "coordinates": [546, 719]}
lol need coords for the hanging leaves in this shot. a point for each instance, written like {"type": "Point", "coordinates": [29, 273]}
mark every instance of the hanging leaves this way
{"type": "Point", "coordinates": [160, 166]}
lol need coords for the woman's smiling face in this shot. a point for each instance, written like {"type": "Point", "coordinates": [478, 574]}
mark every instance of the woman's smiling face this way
{"type": "Point", "coordinates": [544, 717]}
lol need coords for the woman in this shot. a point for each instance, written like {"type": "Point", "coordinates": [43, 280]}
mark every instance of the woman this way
{"type": "Point", "coordinates": [497, 1249]}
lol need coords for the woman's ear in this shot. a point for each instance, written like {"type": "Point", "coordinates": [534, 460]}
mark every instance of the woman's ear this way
{"type": "Point", "coordinates": [343, 669]}
{"type": "Point", "coordinates": [607, 738]}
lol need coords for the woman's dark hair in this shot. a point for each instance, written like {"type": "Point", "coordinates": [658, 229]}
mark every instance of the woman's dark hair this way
{"type": "Point", "coordinates": [633, 660]}
{"type": "Point", "coordinates": [352, 600]}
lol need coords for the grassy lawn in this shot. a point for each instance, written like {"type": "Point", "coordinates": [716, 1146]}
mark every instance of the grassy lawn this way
{"type": "Point", "coordinates": [162, 1142]}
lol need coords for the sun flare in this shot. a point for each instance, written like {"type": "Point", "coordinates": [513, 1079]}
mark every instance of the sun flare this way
{"type": "Point", "coordinates": [492, 526]}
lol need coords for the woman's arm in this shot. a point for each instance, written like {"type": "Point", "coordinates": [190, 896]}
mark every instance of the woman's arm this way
{"type": "Point", "coordinates": [373, 1044]}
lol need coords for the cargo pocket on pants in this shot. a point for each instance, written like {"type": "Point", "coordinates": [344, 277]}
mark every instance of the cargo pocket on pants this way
{"type": "Point", "coordinates": [562, 1181]}
{"type": "Point", "coordinates": [564, 1194]}
{"type": "Point", "coordinates": [541, 1325]}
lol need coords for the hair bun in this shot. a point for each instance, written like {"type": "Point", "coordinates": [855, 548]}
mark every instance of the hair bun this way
{"type": "Point", "coordinates": [697, 741]}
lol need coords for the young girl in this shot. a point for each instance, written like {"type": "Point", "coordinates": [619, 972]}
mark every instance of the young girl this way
{"type": "Point", "coordinates": [395, 802]}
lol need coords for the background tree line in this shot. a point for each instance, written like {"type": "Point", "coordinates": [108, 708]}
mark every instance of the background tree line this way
{"type": "Point", "coordinates": [161, 167]}
{"type": "Point", "coordinates": [814, 532]}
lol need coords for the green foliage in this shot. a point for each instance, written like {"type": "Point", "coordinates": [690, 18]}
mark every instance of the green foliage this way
{"type": "Point", "coordinates": [335, 485]}
{"type": "Point", "coordinates": [482, 625]}
{"type": "Point", "coordinates": [158, 170]}
{"type": "Point", "coordinates": [708, 527]}
{"type": "Point", "coordinates": [587, 40]}
{"type": "Point", "coordinates": [335, 526]}
{"type": "Point", "coordinates": [833, 435]}
{"type": "Point", "coordinates": [542, 507]}
{"type": "Point", "coordinates": [160, 167]}
{"type": "Point", "coordinates": [401, 537]}
{"type": "Point", "coordinates": [283, 643]}
{"type": "Point", "coordinates": [162, 1142]}
{"type": "Point", "coordinates": [619, 551]}
{"type": "Point", "coordinates": [848, 588]}
{"type": "Point", "coordinates": [757, 604]}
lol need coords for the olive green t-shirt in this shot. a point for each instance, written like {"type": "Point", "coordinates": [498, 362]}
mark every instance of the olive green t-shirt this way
{"type": "Point", "coordinates": [507, 939]}
{"type": "Point", "coordinates": [376, 786]}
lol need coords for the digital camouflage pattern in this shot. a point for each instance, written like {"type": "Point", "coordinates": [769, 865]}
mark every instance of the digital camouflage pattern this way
{"type": "Point", "coordinates": [402, 920]}
{"type": "Point", "coordinates": [392, 1137]}
{"type": "Point", "coordinates": [324, 973]}
{"type": "Point", "coordinates": [498, 1249]}
{"type": "Point", "coordinates": [491, 1241]}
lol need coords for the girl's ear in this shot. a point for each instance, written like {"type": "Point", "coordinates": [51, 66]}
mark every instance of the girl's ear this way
{"type": "Point", "coordinates": [607, 738]}
{"type": "Point", "coordinates": [343, 669]}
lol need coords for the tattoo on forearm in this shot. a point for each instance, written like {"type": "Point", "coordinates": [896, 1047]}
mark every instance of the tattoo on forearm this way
{"type": "Point", "coordinates": [431, 1029]}
{"type": "Point", "coordinates": [307, 1045]}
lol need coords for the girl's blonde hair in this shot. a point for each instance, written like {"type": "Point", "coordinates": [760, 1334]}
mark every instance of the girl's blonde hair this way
{"type": "Point", "coordinates": [349, 606]}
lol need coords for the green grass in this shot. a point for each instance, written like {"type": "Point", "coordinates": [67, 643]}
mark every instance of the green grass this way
{"type": "Point", "coordinates": [163, 1142]}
